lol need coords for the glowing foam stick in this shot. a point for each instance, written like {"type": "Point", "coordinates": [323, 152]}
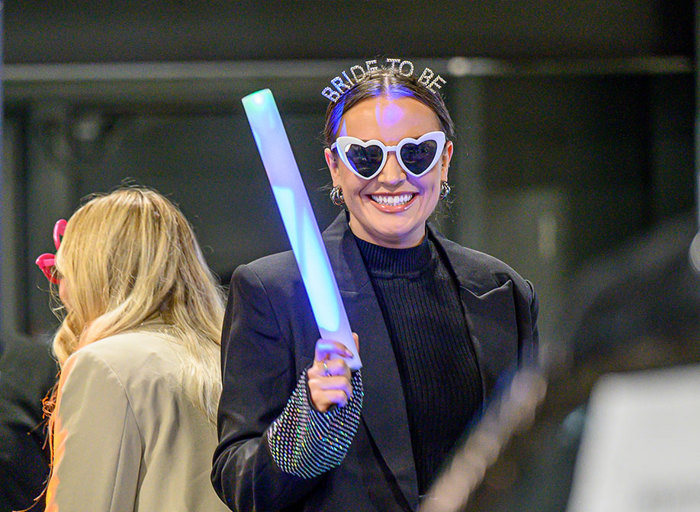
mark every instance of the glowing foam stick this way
{"type": "Point", "coordinates": [299, 220]}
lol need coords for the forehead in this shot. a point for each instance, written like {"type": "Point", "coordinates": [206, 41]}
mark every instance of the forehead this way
{"type": "Point", "coordinates": [388, 119]}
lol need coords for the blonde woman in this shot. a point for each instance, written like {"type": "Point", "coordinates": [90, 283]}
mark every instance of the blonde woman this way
{"type": "Point", "coordinates": [134, 421]}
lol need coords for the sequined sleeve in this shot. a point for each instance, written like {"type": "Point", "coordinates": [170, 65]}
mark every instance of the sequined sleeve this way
{"type": "Point", "coordinates": [306, 442]}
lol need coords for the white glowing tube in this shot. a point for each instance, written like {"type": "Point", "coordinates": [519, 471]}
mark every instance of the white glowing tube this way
{"type": "Point", "coordinates": [299, 220]}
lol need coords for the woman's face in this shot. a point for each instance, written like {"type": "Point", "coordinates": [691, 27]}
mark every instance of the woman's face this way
{"type": "Point", "coordinates": [390, 209]}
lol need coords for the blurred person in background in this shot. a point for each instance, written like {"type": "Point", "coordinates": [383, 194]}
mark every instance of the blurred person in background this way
{"type": "Point", "coordinates": [634, 308]}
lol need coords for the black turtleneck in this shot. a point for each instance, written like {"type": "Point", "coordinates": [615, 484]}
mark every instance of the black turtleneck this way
{"type": "Point", "coordinates": [420, 303]}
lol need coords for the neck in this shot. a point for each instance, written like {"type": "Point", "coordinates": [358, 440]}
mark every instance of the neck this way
{"type": "Point", "coordinates": [413, 239]}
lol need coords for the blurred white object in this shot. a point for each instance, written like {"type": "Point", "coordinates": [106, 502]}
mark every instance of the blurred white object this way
{"type": "Point", "coordinates": [641, 444]}
{"type": "Point", "coordinates": [695, 252]}
{"type": "Point", "coordinates": [513, 411]}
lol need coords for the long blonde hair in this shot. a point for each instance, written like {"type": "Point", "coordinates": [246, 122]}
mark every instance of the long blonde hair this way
{"type": "Point", "coordinates": [130, 258]}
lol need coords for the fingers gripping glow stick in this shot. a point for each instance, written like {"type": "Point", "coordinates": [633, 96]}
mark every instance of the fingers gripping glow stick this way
{"type": "Point", "coordinates": [299, 220]}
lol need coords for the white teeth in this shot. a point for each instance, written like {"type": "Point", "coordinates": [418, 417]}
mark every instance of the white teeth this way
{"type": "Point", "coordinates": [392, 200]}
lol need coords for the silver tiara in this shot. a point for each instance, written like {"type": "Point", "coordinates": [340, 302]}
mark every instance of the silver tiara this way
{"type": "Point", "coordinates": [357, 73]}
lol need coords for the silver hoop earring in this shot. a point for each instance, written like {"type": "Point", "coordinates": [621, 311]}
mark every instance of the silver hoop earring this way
{"type": "Point", "coordinates": [336, 196]}
{"type": "Point", "coordinates": [445, 189]}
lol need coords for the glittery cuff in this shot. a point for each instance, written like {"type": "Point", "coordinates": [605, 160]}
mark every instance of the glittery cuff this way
{"type": "Point", "coordinates": [306, 442]}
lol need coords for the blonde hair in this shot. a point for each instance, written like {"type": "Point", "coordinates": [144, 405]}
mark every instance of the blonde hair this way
{"type": "Point", "coordinates": [128, 258]}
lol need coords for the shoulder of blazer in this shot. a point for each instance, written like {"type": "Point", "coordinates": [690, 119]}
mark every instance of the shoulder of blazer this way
{"type": "Point", "coordinates": [477, 271]}
{"type": "Point", "coordinates": [135, 356]}
{"type": "Point", "coordinates": [272, 266]}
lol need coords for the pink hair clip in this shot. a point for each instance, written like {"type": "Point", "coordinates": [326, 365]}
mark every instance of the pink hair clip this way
{"type": "Point", "coordinates": [47, 261]}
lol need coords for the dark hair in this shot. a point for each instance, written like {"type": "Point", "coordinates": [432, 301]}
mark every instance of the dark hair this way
{"type": "Point", "coordinates": [385, 82]}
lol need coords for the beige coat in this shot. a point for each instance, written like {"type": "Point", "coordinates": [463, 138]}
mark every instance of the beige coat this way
{"type": "Point", "coordinates": [126, 436]}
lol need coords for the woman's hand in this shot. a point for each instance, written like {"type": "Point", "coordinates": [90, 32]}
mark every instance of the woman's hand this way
{"type": "Point", "coordinates": [329, 377]}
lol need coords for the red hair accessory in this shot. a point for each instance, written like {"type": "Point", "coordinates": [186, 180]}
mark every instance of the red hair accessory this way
{"type": "Point", "coordinates": [47, 261]}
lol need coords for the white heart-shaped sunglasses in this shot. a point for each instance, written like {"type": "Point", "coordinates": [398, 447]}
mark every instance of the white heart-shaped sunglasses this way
{"type": "Point", "coordinates": [367, 158]}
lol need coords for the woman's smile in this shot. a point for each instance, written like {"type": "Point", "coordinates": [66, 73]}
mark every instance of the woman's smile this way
{"type": "Point", "coordinates": [393, 202]}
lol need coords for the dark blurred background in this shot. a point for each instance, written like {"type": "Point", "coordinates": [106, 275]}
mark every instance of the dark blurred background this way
{"type": "Point", "coordinates": [575, 158]}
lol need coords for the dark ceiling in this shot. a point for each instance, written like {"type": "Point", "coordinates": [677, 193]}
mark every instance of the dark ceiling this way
{"type": "Point", "coordinates": [52, 31]}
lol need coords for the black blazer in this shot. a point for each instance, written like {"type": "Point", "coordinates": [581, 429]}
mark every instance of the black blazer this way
{"type": "Point", "coordinates": [269, 336]}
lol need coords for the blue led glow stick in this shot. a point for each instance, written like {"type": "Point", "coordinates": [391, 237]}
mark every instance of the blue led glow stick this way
{"type": "Point", "coordinates": [299, 220]}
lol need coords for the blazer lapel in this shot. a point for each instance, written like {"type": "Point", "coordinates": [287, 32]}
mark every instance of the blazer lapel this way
{"type": "Point", "coordinates": [490, 319]}
{"type": "Point", "coordinates": [384, 405]}
{"type": "Point", "coordinates": [489, 310]}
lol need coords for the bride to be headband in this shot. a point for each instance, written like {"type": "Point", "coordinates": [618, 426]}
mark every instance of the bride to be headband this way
{"type": "Point", "coordinates": [343, 82]}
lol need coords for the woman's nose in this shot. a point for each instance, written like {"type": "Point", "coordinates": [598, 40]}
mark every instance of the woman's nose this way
{"type": "Point", "coordinates": [392, 172]}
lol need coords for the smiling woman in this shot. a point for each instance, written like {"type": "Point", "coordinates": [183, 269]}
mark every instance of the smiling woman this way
{"type": "Point", "coordinates": [390, 204]}
{"type": "Point", "coordinates": [439, 325]}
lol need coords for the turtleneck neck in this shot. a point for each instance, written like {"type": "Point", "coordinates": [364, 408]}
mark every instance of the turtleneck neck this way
{"type": "Point", "coordinates": [389, 262]}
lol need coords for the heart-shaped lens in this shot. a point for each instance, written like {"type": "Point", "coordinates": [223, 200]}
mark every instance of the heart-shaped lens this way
{"type": "Point", "coordinates": [365, 160]}
{"type": "Point", "coordinates": [418, 157]}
